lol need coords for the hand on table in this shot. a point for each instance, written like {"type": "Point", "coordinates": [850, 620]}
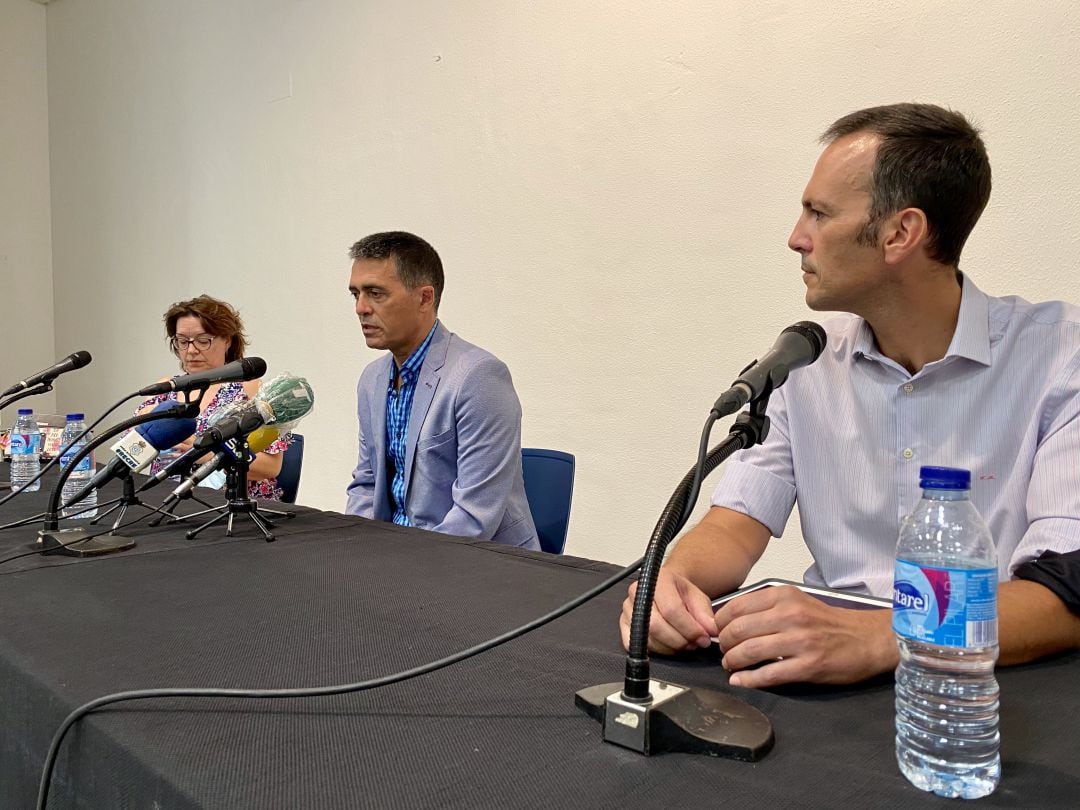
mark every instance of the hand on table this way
{"type": "Point", "coordinates": [682, 615]}
{"type": "Point", "coordinates": [797, 638]}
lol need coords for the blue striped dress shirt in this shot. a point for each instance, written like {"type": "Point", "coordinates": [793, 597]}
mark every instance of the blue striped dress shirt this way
{"type": "Point", "coordinates": [398, 411]}
{"type": "Point", "coordinates": [850, 432]}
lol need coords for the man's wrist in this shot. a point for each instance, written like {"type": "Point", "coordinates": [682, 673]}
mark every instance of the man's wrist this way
{"type": "Point", "coordinates": [887, 652]}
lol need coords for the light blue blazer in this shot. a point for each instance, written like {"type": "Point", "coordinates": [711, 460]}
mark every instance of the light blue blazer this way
{"type": "Point", "coordinates": [463, 450]}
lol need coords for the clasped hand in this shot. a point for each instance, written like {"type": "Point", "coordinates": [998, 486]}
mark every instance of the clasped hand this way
{"type": "Point", "coordinates": [768, 637]}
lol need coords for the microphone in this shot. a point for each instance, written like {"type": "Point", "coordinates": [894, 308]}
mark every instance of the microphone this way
{"type": "Point", "coordinates": [140, 447]}
{"type": "Point", "coordinates": [136, 450]}
{"type": "Point", "coordinates": [249, 368]}
{"type": "Point", "coordinates": [279, 404]}
{"type": "Point", "coordinates": [69, 363]}
{"type": "Point", "coordinates": [649, 715]}
{"type": "Point", "coordinates": [183, 463]}
{"type": "Point", "coordinates": [799, 345]}
{"type": "Point", "coordinates": [259, 440]}
{"type": "Point", "coordinates": [231, 429]}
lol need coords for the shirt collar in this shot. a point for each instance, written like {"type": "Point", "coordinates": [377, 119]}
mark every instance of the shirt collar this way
{"type": "Point", "coordinates": [972, 336]}
{"type": "Point", "coordinates": [971, 339]}
{"type": "Point", "coordinates": [410, 369]}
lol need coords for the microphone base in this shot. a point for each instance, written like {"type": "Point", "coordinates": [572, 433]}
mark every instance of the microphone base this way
{"type": "Point", "coordinates": [79, 543]}
{"type": "Point", "coordinates": [679, 719]}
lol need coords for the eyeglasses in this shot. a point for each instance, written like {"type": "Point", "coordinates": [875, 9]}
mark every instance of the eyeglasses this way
{"type": "Point", "coordinates": [181, 344]}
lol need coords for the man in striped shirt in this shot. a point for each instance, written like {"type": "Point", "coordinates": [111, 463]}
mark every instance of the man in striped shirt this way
{"type": "Point", "coordinates": [925, 370]}
{"type": "Point", "coordinates": [440, 422]}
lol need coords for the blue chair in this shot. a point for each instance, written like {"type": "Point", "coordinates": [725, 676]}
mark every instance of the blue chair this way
{"type": "Point", "coordinates": [292, 461]}
{"type": "Point", "coordinates": [549, 487]}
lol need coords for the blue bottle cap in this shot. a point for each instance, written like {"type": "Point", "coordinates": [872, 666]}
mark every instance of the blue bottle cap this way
{"type": "Point", "coordinates": [76, 417]}
{"type": "Point", "coordinates": [25, 411]}
{"type": "Point", "coordinates": [944, 478]}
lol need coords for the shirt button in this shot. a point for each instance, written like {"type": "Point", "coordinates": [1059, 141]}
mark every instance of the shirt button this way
{"type": "Point", "coordinates": [909, 388]}
{"type": "Point", "coordinates": [908, 453]}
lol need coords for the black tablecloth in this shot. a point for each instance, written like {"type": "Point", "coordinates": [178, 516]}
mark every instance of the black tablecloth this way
{"type": "Point", "coordinates": [338, 599]}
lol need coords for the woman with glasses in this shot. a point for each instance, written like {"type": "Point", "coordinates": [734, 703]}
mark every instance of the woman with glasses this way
{"type": "Point", "coordinates": [205, 333]}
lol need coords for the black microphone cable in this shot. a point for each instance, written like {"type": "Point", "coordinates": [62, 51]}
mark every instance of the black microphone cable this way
{"type": "Point", "coordinates": [322, 691]}
{"type": "Point", "coordinates": [154, 510]}
{"type": "Point", "coordinates": [188, 400]}
{"type": "Point", "coordinates": [744, 434]}
{"type": "Point", "coordinates": [705, 463]}
{"type": "Point", "coordinates": [696, 476]}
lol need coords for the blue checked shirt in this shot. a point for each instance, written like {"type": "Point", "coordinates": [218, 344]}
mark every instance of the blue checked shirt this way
{"type": "Point", "coordinates": [398, 410]}
{"type": "Point", "coordinates": [850, 432]}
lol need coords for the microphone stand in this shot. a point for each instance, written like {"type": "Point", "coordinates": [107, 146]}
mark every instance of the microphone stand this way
{"type": "Point", "coordinates": [126, 500]}
{"type": "Point", "coordinates": [166, 509]}
{"type": "Point", "coordinates": [68, 542]}
{"type": "Point", "coordinates": [651, 716]}
{"type": "Point", "coordinates": [32, 391]}
{"type": "Point", "coordinates": [41, 388]}
{"type": "Point", "coordinates": [237, 501]}
{"type": "Point", "coordinates": [171, 502]}
{"type": "Point", "coordinates": [129, 498]}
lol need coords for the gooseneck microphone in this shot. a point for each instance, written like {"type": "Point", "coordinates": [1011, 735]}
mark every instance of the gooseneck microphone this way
{"type": "Point", "coordinates": [799, 345]}
{"type": "Point", "coordinates": [249, 368]}
{"type": "Point", "coordinates": [646, 714]}
{"type": "Point", "coordinates": [69, 363]}
{"type": "Point", "coordinates": [138, 449]}
{"type": "Point", "coordinates": [68, 541]}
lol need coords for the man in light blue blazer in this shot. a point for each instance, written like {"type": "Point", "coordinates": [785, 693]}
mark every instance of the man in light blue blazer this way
{"type": "Point", "coordinates": [440, 422]}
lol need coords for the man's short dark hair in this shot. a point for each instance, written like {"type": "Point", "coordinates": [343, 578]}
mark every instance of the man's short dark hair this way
{"type": "Point", "coordinates": [929, 158]}
{"type": "Point", "coordinates": [415, 261]}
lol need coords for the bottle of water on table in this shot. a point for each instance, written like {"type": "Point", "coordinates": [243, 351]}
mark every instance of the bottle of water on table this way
{"type": "Point", "coordinates": [25, 449]}
{"type": "Point", "coordinates": [87, 507]}
{"type": "Point", "coordinates": [945, 619]}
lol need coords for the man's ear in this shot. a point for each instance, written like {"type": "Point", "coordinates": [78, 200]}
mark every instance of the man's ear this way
{"type": "Point", "coordinates": [903, 234]}
{"type": "Point", "coordinates": [427, 297]}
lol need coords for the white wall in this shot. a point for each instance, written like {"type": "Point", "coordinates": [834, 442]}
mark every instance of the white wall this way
{"type": "Point", "coordinates": [610, 186]}
{"type": "Point", "coordinates": [26, 290]}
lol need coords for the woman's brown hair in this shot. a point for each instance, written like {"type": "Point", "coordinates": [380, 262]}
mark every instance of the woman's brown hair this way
{"type": "Point", "coordinates": [218, 318]}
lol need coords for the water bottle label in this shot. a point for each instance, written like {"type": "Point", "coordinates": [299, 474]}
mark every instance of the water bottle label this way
{"type": "Point", "coordinates": [24, 444]}
{"type": "Point", "coordinates": [86, 465]}
{"type": "Point", "coordinates": [945, 607]}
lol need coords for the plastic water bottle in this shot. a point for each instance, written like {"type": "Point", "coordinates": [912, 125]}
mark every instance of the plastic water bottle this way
{"type": "Point", "coordinates": [945, 619]}
{"type": "Point", "coordinates": [82, 473]}
{"type": "Point", "coordinates": [25, 448]}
